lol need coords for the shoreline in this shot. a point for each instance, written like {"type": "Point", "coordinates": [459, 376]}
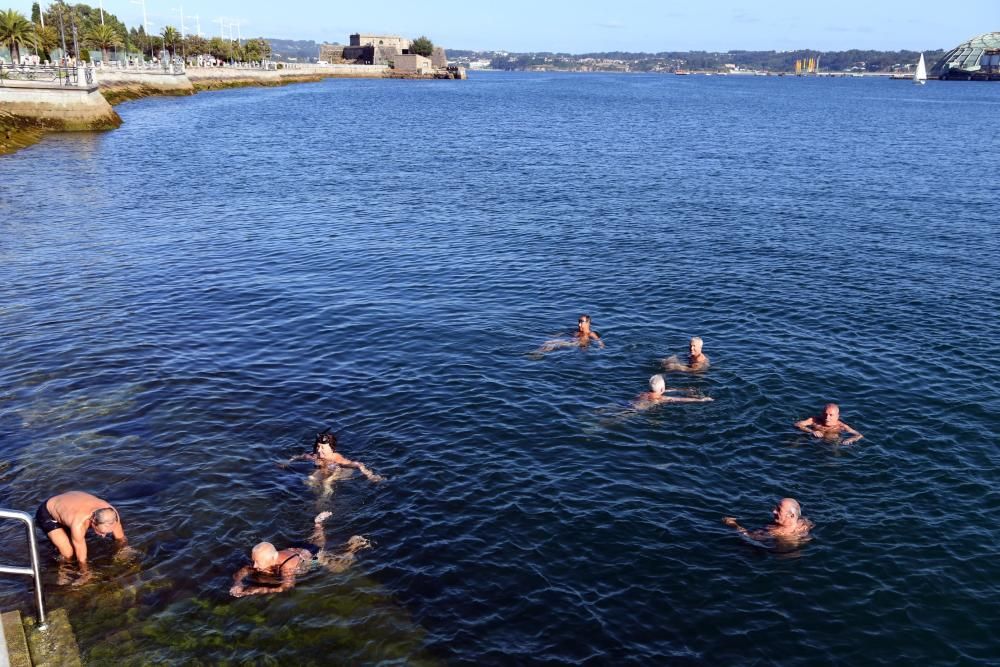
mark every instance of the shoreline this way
{"type": "Point", "coordinates": [19, 131]}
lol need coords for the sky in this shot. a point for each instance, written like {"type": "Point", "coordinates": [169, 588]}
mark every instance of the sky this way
{"type": "Point", "coordinates": [583, 26]}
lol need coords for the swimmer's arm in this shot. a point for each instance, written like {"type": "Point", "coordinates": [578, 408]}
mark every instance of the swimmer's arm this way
{"type": "Point", "coordinates": [595, 336]}
{"type": "Point", "coordinates": [238, 590]}
{"type": "Point", "coordinates": [348, 463]}
{"type": "Point", "coordinates": [79, 539]}
{"type": "Point", "coordinates": [855, 436]}
{"type": "Point", "coordinates": [297, 457]}
{"type": "Point", "coordinates": [752, 534]}
{"type": "Point", "coordinates": [806, 425]}
{"type": "Point", "coordinates": [119, 532]}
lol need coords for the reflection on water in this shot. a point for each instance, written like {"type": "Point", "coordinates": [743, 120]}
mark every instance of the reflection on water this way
{"type": "Point", "coordinates": [185, 318]}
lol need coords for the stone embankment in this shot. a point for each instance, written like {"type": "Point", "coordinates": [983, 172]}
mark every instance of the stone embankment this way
{"type": "Point", "coordinates": [37, 100]}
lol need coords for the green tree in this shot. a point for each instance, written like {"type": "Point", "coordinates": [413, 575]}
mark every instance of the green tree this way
{"type": "Point", "coordinates": [220, 48]}
{"type": "Point", "coordinates": [104, 37]}
{"type": "Point", "coordinates": [46, 39]}
{"type": "Point", "coordinates": [15, 31]}
{"type": "Point", "coordinates": [257, 49]}
{"type": "Point", "coordinates": [170, 39]}
{"type": "Point", "coordinates": [36, 13]}
{"type": "Point", "coordinates": [195, 45]}
{"type": "Point", "coordinates": [422, 46]}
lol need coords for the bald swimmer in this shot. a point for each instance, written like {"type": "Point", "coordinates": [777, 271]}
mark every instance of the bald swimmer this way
{"type": "Point", "coordinates": [789, 524]}
{"type": "Point", "coordinates": [66, 518]}
{"type": "Point", "coordinates": [287, 564]}
{"type": "Point", "coordinates": [657, 395]}
{"type": "Point", "coordinates": [697, 360]}
{"type": "Point", "coordinates": [828, 425]}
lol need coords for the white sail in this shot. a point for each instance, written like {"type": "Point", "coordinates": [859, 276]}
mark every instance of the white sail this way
{"type": "Point", "coordinates": [920, 75]}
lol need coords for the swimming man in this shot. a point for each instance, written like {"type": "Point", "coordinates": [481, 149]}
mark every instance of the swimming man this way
{"type": "Point", "coordinates": [325, 456]}
{"type": "Point", "coordinates": [789, 524]}
{"type": "Point", "coordinates": [66, 518]}
{"type": "Point", "coordinates": [828, 425]}
{"type": "Point", "coordinates": [657, 395]}
{"type": "Point", "coordinates": [697, 360]}
{"type": "Point", "coordinates": [289, 563]}
{"type": "Point", "coordinates": [581, 338]}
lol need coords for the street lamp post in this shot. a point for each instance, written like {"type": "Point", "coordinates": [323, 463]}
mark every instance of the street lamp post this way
{"type": "Point", "coordinates": [145, 23]}
{"type": "Point", "coordinates": [62, 28]}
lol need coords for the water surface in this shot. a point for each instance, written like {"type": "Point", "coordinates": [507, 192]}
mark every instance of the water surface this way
{"type": "Point", "coordinates": [186, 300]}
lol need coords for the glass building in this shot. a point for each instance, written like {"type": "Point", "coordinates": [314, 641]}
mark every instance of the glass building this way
{"type": "Point", "coordinates": [978, 58]}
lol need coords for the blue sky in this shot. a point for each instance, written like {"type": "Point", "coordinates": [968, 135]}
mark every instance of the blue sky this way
{"type": "Point", "coordinates": [589, 25]}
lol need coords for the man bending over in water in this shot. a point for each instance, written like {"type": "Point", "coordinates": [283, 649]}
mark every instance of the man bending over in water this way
{"type": "Point", "coordinates": [828, 425]}
{"type": "Point", "coordinates": [657, 395]}
{"type": "Point", "coordinates": [326, 457]}
{"type": "Point", "coordinates": [66, 518]}
{"type": "Point", "coordinates": [697, 361]}
{"type": "Point", "coordinates": [289, 563]}
{"type": "Point", "coordinates": [581, 338]}
{"type": "Point", "coordinates": [789, 524]}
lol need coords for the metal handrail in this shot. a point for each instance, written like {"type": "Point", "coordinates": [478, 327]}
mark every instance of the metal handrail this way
{"type": "Point", "coordinates": [32, 571]}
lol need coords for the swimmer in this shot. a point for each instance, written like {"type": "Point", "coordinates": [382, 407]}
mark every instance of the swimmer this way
{"type": "Point", "coordinates": [66, 518]}
{"type": "Point", "coordinates": [289, 563]}
{"type": "Point", "coordinates": [583, 333]}
{"type": "Point", "coordinates": [828, 425]}
{"type": "Point", "coordinates": [697, 360]}
{"type": "Point", "coordinates": [326, 458]}
{"type": "Point", "coordinates": [581, 338]}
{"type": "Point", "coordinates": [657, 395]}
{"type": "Point", "coordinates": [789, 524]}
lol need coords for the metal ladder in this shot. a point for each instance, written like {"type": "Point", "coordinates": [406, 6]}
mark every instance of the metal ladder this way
{"type": "Point", "coordinates": [32, 571]}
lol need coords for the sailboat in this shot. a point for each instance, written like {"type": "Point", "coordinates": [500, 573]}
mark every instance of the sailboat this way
{"type": "Point", "coordinates": [920, 76]}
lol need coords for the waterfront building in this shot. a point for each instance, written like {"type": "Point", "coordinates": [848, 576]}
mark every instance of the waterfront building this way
{"type": "Point", "coordinates": [393, 41]}
{"type": "Point", "coordinates": [976, 59]}
{"type": "Point", "coordinates": [411, 63]}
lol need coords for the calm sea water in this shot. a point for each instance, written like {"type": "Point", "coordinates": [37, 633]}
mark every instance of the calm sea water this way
{"type": "Point", "coordinates": [185, 301]}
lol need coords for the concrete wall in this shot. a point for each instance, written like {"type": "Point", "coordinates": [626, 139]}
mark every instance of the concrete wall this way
{"type": "Point", "coordinates": [412, 64]}
{"type": "Point", "coordinates": [361, 39]}
{"type": "Point", "coordinates": [65, 107]}
{"type": "Point", "coordinates": [175, 84]}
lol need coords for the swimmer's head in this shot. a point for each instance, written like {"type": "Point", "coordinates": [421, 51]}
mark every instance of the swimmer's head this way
{"type": "Point", "coordinates": [583, 322]}
{"type": "Point", "coordinates": [831, 414]}
{"type": "Point", "coordinates": [103, 521]}
{"type": "Point", "coordinates": [696, 345]}
{"type": "Point", "coordinates": [787, 511]}
{"type": "Point", "coordinates": [657, 385]}
{"type": "Point", "coordinates": [264, 555]}
{"type": "Point", "coordinates": [325, 441]}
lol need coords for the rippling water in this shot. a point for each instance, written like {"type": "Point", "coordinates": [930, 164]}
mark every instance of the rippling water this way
{"type": "Point", "coordinates": [185, 301]}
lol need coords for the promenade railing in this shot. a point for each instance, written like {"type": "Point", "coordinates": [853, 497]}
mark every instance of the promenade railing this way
{"type": "Point", "coordinates": [47, 74]}
{"type": "Point", "coordinates": [161, 67]}
{"type": "Point", "coordinates": [32, 571]}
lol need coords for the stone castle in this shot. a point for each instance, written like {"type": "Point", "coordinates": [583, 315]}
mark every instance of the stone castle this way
{"type": "Point", "coordinates": [369, 49]}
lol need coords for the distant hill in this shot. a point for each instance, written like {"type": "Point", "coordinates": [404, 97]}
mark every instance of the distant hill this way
{"type": "Point", "coordinates": [774, 61]}
{"type": "Point", "coordinates": [303, 50]}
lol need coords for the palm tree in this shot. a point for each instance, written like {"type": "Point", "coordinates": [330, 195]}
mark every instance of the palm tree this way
{"type": "Point", "coordinates": [104, 37]}
{"type": "Point", "coordinates": [15, 31]}
{"type": "Point", "coordinates": [170, 37]}
{"type": "Point", "coordinates": [46, 39]}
